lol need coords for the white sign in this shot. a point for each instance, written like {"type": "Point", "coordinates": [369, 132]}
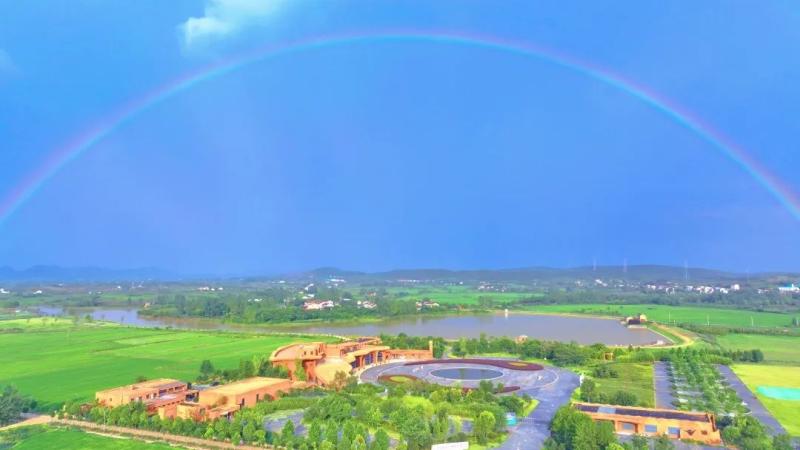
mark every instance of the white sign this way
{"type": "Point", "coordinates": [451, 446]}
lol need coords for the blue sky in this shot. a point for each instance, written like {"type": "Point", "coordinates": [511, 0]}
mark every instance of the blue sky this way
{"type": "Point", "coordinates": [380, 155]}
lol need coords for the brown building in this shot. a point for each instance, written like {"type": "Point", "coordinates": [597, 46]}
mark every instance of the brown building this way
{"type": "Point", "coordinates": [226, 399]}
{"type": "Point", "coordinates": [172, 398]}
{"type": "Point", "coordinates": [154, 394]}
{"type": "Point", "coordinates": [696, 426]}
{"type": "Point", "coordinates": [322, 361]}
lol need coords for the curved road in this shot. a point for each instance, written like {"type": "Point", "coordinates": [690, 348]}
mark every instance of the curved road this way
{"type": "Point", "coordinates": [553, 390]}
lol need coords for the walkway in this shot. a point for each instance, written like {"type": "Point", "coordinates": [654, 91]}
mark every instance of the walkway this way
{"type": "Point", "coordinates": [29, 419]}
{"type": "Point", "coordinates": [533, 430]}
{"type": "Point", "coordinates": [664, 395]}
{"type": "Point", "coordinates": [756, 407]}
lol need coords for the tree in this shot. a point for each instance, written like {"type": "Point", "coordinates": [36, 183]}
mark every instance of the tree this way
{"type": "Point", "coordinates": [246, 368]}
{"type": "Point", "coordinates": [315, 433]}
{"type": "Point", "coordinates": [300, 371]}
{"type": "Point", "coordinates": [484, 425]}
{"type": "Point", "coordinates": [206, 369]}
{"type": "Point", "coordinates": [639, 442]}
{"type": "Point", "coordinates": [12, 405]}
{"type": "Point", "coordinates": [287, 433]}
{"type": "Point", "coordinates": [381, 441]}
{"type": "Point", "coordinates": [624, 398]}
{"type": "Point", "coordinates": [663, 443]}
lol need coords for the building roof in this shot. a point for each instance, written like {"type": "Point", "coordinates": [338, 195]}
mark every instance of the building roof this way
{"type": "Point", "coordinates": [246, 385]}
{"type": "Point", "coordinates": [643, 412]}
{"type": "Point", "coordinates": [157, 384]}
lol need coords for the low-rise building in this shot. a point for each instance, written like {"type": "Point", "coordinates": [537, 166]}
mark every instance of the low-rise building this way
{"type": "Point", "coordinates": [155, 394]}
{"type": "Point", "coordinates": [696, 426]}
{"type": "Point", "coordinates": [318, 305]}
{"type": "Point", "coordinates": [321, 361]}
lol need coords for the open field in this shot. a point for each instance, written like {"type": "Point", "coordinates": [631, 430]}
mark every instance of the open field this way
{"type": "Point", "coordinates": [636, 378]}
{"type": "Point", "coordinates": [786, 411]}
{"type": "Point", "coordinates": [68, 439]}
{"type": "Point", "coordinates": [56, 362]}
{"type": "Point", "coordinates": [678, 314]}
{"type": "Point", "coordinates": [777, 349]}
{"type": "Point", "coordinates": [458, 295]}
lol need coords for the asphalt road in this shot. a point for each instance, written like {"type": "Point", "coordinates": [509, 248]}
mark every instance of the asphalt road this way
{"type": "Point", "coordinates": [664, 395]}
{"type": "Point", "coordinates": [756, 407]}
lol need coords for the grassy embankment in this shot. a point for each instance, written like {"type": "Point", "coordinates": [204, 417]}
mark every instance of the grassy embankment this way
{"type": "Point", "coordinates": [786, 411]}
{"type": "Point", "coordinates": [459, 295]}
{"type": "Point", "coordinates": [54, 361]}
{"type": "Point", "coordinates": [71, 439]}
{"type": "Point", "coordinates": [677, 314]}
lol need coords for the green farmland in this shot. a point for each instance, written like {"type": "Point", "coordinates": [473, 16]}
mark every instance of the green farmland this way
{"type": "Point", "coordinates": [777, 349]}
{"type": "Point", "coordinates": [69, 439]}
{"type": "Point", "coordinates": [786, 411]}
{"type": "Point", "coordinates": [636, 378]}
{"type": "Point", "coordinates": [56, 362]}
{"type": "Point", "coordinates": [459, 295]}
{"type": "Point", "coordinates": [678, 314]}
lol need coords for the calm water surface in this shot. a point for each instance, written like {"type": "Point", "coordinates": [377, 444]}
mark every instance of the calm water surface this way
{"type": "Point", "coordinates": [584, 330]}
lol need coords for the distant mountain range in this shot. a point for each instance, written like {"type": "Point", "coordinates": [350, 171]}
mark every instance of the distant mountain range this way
{"type": "Point", "coordinates": [637, 273]}
{"type": "Point", "coordinates": [83, 274]}
{"type": "Point", "coordinates": [649, 273]}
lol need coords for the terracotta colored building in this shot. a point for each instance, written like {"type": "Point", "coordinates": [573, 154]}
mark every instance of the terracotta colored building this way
{"type": "Point", "coordinates": [226, 399]}
{"type": "Point", "coordinates": [322, 361]}
{"type": "Point", "coordinates": [696, 426]}
{"type": "Point", "coordinates": [155, 394]}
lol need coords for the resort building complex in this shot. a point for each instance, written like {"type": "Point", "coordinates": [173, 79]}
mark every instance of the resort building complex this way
{"type": "Point", "coordinates": [173, 398]}
{"type": "Point", "coordinates": [696, 426]}
{"type": "Point", "coordinates": [322, 361]}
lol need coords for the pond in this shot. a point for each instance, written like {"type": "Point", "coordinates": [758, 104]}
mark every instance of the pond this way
{"type": "Point", "coordinates": [467, 373]}
{"type": "Point", "coordinates": [583, 330]}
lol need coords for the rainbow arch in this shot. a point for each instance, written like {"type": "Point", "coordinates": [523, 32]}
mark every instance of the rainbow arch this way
{"type": "Point", "coordinates": [63, 155]}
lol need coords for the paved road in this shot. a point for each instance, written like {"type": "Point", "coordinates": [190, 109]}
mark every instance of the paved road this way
{"type": "Point", "coordinates": [664, 394]}
{"type": "Point", "coordinates": [756, 407]}
{"type": "Point", "coordinates": [552, 387]}
{"type": "Point", "coordinates": [533, 430]}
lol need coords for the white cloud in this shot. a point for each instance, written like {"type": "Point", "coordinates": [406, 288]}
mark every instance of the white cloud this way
{"type": "Point", "coordinates": [224, 19]}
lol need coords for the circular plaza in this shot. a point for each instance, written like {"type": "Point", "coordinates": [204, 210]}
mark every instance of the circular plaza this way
{"type": "Point", "coordinates": [466, 373]}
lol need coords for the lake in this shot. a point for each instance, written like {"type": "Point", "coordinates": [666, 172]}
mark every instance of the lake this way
{"type": "Point", "coordinates": [584, 330]}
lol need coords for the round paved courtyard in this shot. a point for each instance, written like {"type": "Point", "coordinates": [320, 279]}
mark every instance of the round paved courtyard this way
{"type": "Point", "coordinates": [467, 374]}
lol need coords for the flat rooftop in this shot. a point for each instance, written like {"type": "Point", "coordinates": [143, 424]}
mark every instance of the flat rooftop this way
{"type": "Point", "coordinates": [643, 412]}
{"type": "Point", "coordinates": [160, 383]}
{"type": "Point", "coordinates": [246, 385]}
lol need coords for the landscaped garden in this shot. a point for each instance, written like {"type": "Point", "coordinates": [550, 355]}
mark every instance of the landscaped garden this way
{"type": "Point", "coordinates": [698, 386]}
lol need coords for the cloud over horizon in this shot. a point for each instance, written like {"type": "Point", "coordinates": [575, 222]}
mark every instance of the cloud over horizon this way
{"type": "Point", "coordinates": [224, 19]}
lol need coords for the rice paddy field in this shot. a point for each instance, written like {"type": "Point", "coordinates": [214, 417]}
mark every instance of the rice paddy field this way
{"type": "Point", "coordinates": [68, 439]}
{"type": "Point", "coordinates": [56, 361]}
{"type": "Point", "coordinates": [678, 314]}
{"type": "Point", "coordinates": [787, 412]}
{"type": "Point", "coordinates": [777, 349]}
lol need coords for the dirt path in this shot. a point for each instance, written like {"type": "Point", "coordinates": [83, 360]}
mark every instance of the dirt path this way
{"type": "Point", "coordinates": [30, 419]}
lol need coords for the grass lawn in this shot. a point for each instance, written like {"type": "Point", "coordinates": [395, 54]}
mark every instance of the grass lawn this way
{"type": "Point", "coordinates": [786, 411]}
{"type": "Point", "coordinates": [64, 439]}
{"type": "Point", "coordinates": [636, 378]}
{"type": "Point", "coordinates": [56, 362]}
{"type": "Point", "coordinates": [783, 349]}
{"type": "Point", "coordinates": [678, 314]}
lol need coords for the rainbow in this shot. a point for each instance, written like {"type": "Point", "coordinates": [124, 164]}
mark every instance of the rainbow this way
{"type": "Point", "coordinates": [62, 156]}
